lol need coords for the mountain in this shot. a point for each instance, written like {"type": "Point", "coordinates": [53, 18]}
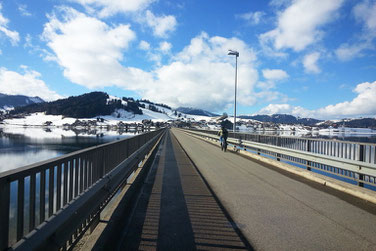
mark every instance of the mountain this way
{"type": "Point", "coordinates": [282, 119]}
{"type": "Point", "coordinates": [361, 123]}
{"type": "Point", "coordinates": [11, 101]}
{"type": "Point", "coordinates": [195, 111]}
{"type": "Point", "coordinates": [88, 105]}
{"type": "Point", "coordinates": [351, 123]}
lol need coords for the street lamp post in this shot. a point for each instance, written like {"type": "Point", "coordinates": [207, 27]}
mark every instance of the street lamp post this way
{"type": "Point", "coordinates": [231, 52]}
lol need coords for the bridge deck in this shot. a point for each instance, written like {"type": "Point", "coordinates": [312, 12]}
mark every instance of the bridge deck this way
{"type": "Point", "coordinates": [274, 210]}
{"type": "Point", "coordinates": [176, 210]}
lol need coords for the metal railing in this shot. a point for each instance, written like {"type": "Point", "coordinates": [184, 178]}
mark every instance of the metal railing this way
{"type": "Point", "coordinates": [60, 197]}
{"type": "Point", "coordinates": [350, 160]}
{"type": "Point", "coordinates": [365, 152]}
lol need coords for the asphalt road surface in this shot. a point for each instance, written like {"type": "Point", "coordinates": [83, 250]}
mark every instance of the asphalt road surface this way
{"type": "Point", "coordinates": [279, 211]}
{"type": "Point", "coordinates": [177, 211]}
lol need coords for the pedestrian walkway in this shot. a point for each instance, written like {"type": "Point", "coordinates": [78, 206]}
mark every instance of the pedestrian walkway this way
{"type": "Point", "coordinates": [177, 211]}
{"type": "Point", "coordinates": [277, 210]}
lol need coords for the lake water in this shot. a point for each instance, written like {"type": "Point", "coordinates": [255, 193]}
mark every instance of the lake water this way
{"type": "Point", "coordinates": [364, 137]}
{"type": "Point", "coordinates": [20, 146]}
{"type": "Point", "coordinates": [23, 146]}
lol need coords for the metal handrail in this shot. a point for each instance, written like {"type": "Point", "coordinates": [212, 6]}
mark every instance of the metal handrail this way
{"type": "Point", "coordinates": [365, 152]}
{"type": "Point", "coordinates": [71, 190]}
{"type": "Point", "coordinates": [284, 136]}
{"type": "Point", "coordinates": [362, 172]}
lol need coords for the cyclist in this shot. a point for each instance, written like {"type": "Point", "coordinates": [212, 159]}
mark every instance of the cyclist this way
{"type": "Point", "coordinates": [223, 134]}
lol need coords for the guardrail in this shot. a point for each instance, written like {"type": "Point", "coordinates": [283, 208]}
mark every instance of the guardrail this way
{"type": "Point", "coordinates": [350, 160]}
{"type": "Point", "coordinates": [53, 202]}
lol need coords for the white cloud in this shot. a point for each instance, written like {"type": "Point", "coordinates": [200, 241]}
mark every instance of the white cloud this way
{"type": "Point", "coordinates": [310, 62]}
{"type": "Point", "coordinates": [161, 25]}
{"type": "Point", "coordinates": [279, 3]}
{"type": "Point", "coordinates": [364, 13]}
{"type": "Point", "coordinates": [28, 83]}
{"type": "Point", "coordinates": [274, 74]}
{"type": "Point", "coordinates": [12, 35]}
{"type": "Point", "coordinates": [23, 10]}
{"type": "Point", "coordinates": [202, 75]}
{"type": "Point", "coordinates": [299, 25]}
{"type": "Point", "coordinates": [252, 18]}
{"type": "Point", "coordinates": [108, 8]}
{"type": "Point", "coordinates": [276, 109]}
{"type": "Point", "coordinates": [92, 54]}
{"type": "Point", "coordinates": [364, 104]}
{"type": "Point", "coordinates": [89, 50]}
{"type": "Point", "coordinates": [143, 45]}
{"type": "Point", "coordinates": [347, 52]}
{"type": "Point", "coordinates": [165, 46]}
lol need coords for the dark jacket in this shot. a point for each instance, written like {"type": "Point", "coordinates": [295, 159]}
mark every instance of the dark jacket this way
{"type": "Point", "coordinates": [223, 133]}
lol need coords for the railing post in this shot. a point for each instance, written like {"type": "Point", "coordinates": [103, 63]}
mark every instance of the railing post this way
{"type": "Point", "coordinates": [4, 213]}
{"type": "Point", "coordinates": [308, 147]}
{"type": "Point", "coordinates": [103, 169]}
{"type": "Point", "coordinates": [278, 144]}
{"type": "Point", "coordinates": [361, 158]}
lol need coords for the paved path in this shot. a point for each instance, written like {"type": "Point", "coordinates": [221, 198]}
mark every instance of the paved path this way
{"type": "Point", "coordinates": [279, 211]}
{"type": "Point", "coordinates": [176, 210]}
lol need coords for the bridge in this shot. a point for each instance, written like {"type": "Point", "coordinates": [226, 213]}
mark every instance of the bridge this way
{"type": "Point", "coordinates": [174, 189]}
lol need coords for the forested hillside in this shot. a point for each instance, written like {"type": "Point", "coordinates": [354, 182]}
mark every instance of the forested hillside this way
{"type": "Point", "coordinates": [84, 106]}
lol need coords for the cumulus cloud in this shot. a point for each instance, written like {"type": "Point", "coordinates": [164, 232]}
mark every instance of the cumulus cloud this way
{"type": "Point", "coordinates": [298, 26]}
{"type": "Point", "coordinates": [274, 74]}
{"type": "Point", "coordinates": [364, 104]}
{"type": "Point", "coordinates": [28, 83]}
{"type": "Point", "coordinates": [89, 50]}
{"type": "Point", "coordinates": [252, 18]}
{"type": "Point", "coordinates": [310, 62]}
{"type": "Point", "coordinates": [364, 13]}
{"type": "Point", "coordinates": [347, 52]}
{"type": "Point", "coordinates": [162, 26]}
{"type": "Point", "coordinates": [202, 75]}
{"type": "Point", "coordinates": [276, 109]}
{"type": "Point", "coordinates": [165, 46]}
{"type": "Point", "coordinates": [145, 46]}
{"type": "Point", "coordinates": [12, 35]}
{"type": "Point", "coordinates": [107, 8]}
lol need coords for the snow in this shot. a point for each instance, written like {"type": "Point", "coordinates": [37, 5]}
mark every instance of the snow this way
{"type": "Point", "coordinates": [7, 108]}
{"type": "Point", "coordinates": [35, 99]}
{"type": "Point", "coordinates": [116, 98]}
{"type": "Point", "coordinates": [38, 132]}
{"type": "Point", "coordinates": [346, 130]}
{"type": "Point", "coordinates": [38, 119]}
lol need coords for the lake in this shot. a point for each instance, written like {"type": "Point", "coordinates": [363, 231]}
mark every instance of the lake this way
{"type": "Point", "coordinates": [20, 146]}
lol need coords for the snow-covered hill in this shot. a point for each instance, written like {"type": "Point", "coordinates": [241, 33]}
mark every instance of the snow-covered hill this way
{"type": "Point", "coordinates": [120, 115]}
{"type": "Point", "coordinates": [8, 102]}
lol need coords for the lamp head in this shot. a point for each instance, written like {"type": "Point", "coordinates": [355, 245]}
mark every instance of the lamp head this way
{"type": "Point", "coordinates": [232, 52]}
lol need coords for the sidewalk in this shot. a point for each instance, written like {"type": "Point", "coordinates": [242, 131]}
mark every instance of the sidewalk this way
{"type": "Point", "coordinates": [277, 210]}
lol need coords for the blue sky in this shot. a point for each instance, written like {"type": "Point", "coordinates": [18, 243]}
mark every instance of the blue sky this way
{"type": "Point", "coordinates": [303, 57]}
